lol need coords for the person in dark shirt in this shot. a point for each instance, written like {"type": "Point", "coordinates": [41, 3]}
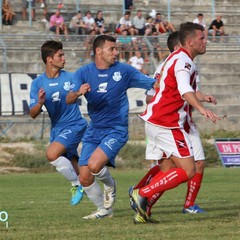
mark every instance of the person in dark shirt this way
{"type": "Point", "coordinates": [216, 28]}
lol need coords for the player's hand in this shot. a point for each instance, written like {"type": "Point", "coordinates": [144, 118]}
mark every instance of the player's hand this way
{"type": "Point", "coordinates": [210, 115]}
{"type": "Point", "coordinates": [84, 88]}
{"type": "Point", "coordinates": [210, 99]}
{"type": "Point", "coordinates": [41, 96]}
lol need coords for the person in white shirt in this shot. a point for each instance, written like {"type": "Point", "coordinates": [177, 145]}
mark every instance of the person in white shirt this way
{"type": "Point", "coordinates": [137, 62]}
{"type": "Point", "coordinates": [200, 20]}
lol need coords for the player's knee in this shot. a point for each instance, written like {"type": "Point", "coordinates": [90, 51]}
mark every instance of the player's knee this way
{"type": "Point", "coordinates": [51, 156]}
{"type": "Point", "coordinates": [86, 181]}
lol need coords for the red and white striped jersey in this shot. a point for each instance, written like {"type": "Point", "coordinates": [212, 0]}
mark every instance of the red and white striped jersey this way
{"type": "Point", "coordinates": [175, 77]}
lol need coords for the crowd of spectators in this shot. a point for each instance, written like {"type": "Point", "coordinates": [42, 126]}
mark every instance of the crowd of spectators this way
{"type": "Point", "coordinates": [129, 30]}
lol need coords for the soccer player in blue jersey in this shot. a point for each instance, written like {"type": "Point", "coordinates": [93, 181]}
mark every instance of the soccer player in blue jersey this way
{"type": "Point", "coordinates": [108, 110]}
{"type": "Point", "coordinates": [49, 90]}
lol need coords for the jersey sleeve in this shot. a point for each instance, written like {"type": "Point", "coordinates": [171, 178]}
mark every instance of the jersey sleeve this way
{"type": "Point", "coordinates": [183, 70]}
{"type": "Point", "coordinates": [33, 94]}
{"type": "Point", "coordinates": [78, 79]}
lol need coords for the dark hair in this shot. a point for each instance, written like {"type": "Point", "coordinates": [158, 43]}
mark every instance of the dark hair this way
{"type": "Point", "coordinates": [49, 48]}
{"type": "Point", "coordinates": [173, 40]}
{"type": "Point", "coordinates": [188, 29]}
{"type": "Point", "coordinates": [100, 41]}
{"type": "Point", "coordinates": [200, 15]}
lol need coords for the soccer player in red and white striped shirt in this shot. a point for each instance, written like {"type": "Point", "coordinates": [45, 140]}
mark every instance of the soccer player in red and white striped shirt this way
{"type": "Point", "coordinates": [167, 113]}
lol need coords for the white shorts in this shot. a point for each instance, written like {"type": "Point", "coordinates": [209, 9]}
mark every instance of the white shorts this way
{"type": "Point", "coordinates": [156, 144]}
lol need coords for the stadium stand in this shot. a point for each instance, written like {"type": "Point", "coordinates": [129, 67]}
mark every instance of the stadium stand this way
{"type": "Point", "coordinates": [219, 67]}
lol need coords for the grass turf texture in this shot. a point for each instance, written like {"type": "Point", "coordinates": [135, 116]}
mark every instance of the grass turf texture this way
{"type": "Point", "coordinates": [38, 208]}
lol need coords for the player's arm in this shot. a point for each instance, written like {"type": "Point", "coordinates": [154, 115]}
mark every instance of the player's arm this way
{"type": "Point", "coordinates": [73, 96]}
{"type": "Point", "coordinates": [36, 110]}
{"type": "Point", "coordinates": [191, 98]}
{"type": "Point", "coordinates": [206, 97]}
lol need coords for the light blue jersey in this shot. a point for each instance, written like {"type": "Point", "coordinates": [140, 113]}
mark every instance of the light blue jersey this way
{"type": "Point", "coordinates": [107, 101]}
{"type": "Point", "coordinates": [56, 89]}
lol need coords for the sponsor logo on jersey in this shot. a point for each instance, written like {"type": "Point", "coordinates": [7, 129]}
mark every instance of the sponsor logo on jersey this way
{"type": "Point", "coordinates": [103, 75]}
{"type": "Point", "coordinates": [110, 142]}
{"type": "Point", "coordinates": [67, 86]}
{"type": "Point", "coordinates": [32, 100]}
{"type": "Point", "coordinates": [55, 97]}
{"type": "Point", "coordinates": [102, 87]}
{"type": "Point", "coordinates": [53, 84]}
{"type": "Point", "coordinates": [117, 76]}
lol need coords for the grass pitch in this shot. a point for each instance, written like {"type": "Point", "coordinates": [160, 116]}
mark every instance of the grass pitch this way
{"type": "Point", "coordinates": [39, 208]}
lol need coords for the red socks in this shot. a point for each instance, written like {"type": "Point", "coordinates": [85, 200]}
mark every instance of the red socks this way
{"type": "Point", "coordinates": [164, 181]}
{"type": "Point", "coordinates": [194, 185]}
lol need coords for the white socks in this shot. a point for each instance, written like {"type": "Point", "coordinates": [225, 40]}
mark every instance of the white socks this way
{"type": "Point", "coordinates": [105, 177]}
{"type": "Point", "coordinates": [64, 166]}
{"type": "Point", "coordinates": [94, 194]}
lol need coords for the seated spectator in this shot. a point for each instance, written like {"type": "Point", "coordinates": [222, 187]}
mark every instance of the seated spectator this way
{"type": "Point", "coordinates": [150, 26]}
{"type": "Point", "coordinates": [99, 23]}
{"type": "Point", "coordinates": [88, 44]}
{"type": "Point", "coordinates": [7, 12]}
{"type": "Point", "coordinates": [76, 24]}
{"type": "Point", "coordinates": [216, 28]}
{"type": "Point", "coordinates": [124, 44]}
{"type": "Point", "coordinates": [200, 20]}
{"type": "Point", "coordinates": [163, 26]}
{"type": "Point", "coordinates": [139, 44]}
{"type": "Point", "coordinates": [139, 24]}
{"type": "Point", "coordinates": [25, 6]}
{"type": "Point", "coordinates": [57, 24]}
{"type": "Point", "coordinates": [88, 22]}
{"type": "Point", "coordinates": [137, 62]}
{"type": "Point", "coordinates": [126, 24]}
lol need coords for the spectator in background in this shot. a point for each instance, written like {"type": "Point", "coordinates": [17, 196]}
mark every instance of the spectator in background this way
{"type": "Point", "coordinates": [216, 28]}
{"type": "Point", "coordinates": [200, 20]}
{"type": "Point", "coordinates": [139, 24]}
{"type": "Point", "coordinates": [137, 62]}
{"type": "Point", "coordinates": [128, 4]}
{"type": "Point", "coordinates": [126, 24]}
{"type": "Point", "coordinates": [45, 10]}
{"type": "Point", "coordinates": [25, 5]}
{"type": "Point", "coordinates": [88, 44]}
{"type": "Point", "coordinates": [7, 12]}
{"type": "Point", "coordinates": [89, 22]}
{"type": "Point", "coordinates": [58, 25]}
{"type": "Point", "coordinates": [150, 26]}
{"type": "Point", "coordinates": [99, 23]}
{"type": "Point", "coordinates": [163, 26]}
{"type": "Point", "coordinates": [124, 44]}
{"type": "Point", "coordinates": [76, 25]}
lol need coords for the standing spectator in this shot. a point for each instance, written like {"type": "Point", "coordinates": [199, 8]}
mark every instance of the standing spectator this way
{"type": "Point", "coordinates": [49, 90]}
{"type": "Point", "coordinates": [216, 28]}
{"type": "Point", "coordinates": [139, 24]}
{"type": "Point", "coordinates": [76, 24]}
{"type": "Point", "coordinates": [88, 44]}
{"type": "Point", "coordinates": [45, 10]}
{"type": "Point", "coordinates": [58, 25]}
{"type": "Point", "coordinates": [25, 5]}
{"type": "Point", "coordinates": [137, 61]}
{"type": "Point", "coordinates": [128, 4]}
{"type": "Point", "coordinates": [7, 12]}
{"type": "Point", "coordinates": [89, 22]}
{"type": "Point", "coordinates": [108, 109]}
{"type": "Point", "coordinates": [99, 23]}
{"type": "Point", "coordinates": [126, 24]}
{"type": "Point", "coordinates": [163, 26]}
{"type": "Point", "coordinates": [168, 112]}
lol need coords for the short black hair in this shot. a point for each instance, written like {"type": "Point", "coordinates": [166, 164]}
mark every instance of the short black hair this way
{"type": "Point", "coordinates": [173, 40]}
{"type": "Point", "coordinates": [49, 48]}
{"type": "Point", "coordinates": [100, 40]}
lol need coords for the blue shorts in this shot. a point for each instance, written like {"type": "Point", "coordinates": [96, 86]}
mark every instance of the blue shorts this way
{"type": "Point", "coordinates": [70, 137]}
{"type": "Point", "coordinates": [110, 140]}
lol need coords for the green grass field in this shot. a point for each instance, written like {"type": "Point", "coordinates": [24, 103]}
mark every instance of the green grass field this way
{"type": "Point", "coordinates": [38, 208]}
